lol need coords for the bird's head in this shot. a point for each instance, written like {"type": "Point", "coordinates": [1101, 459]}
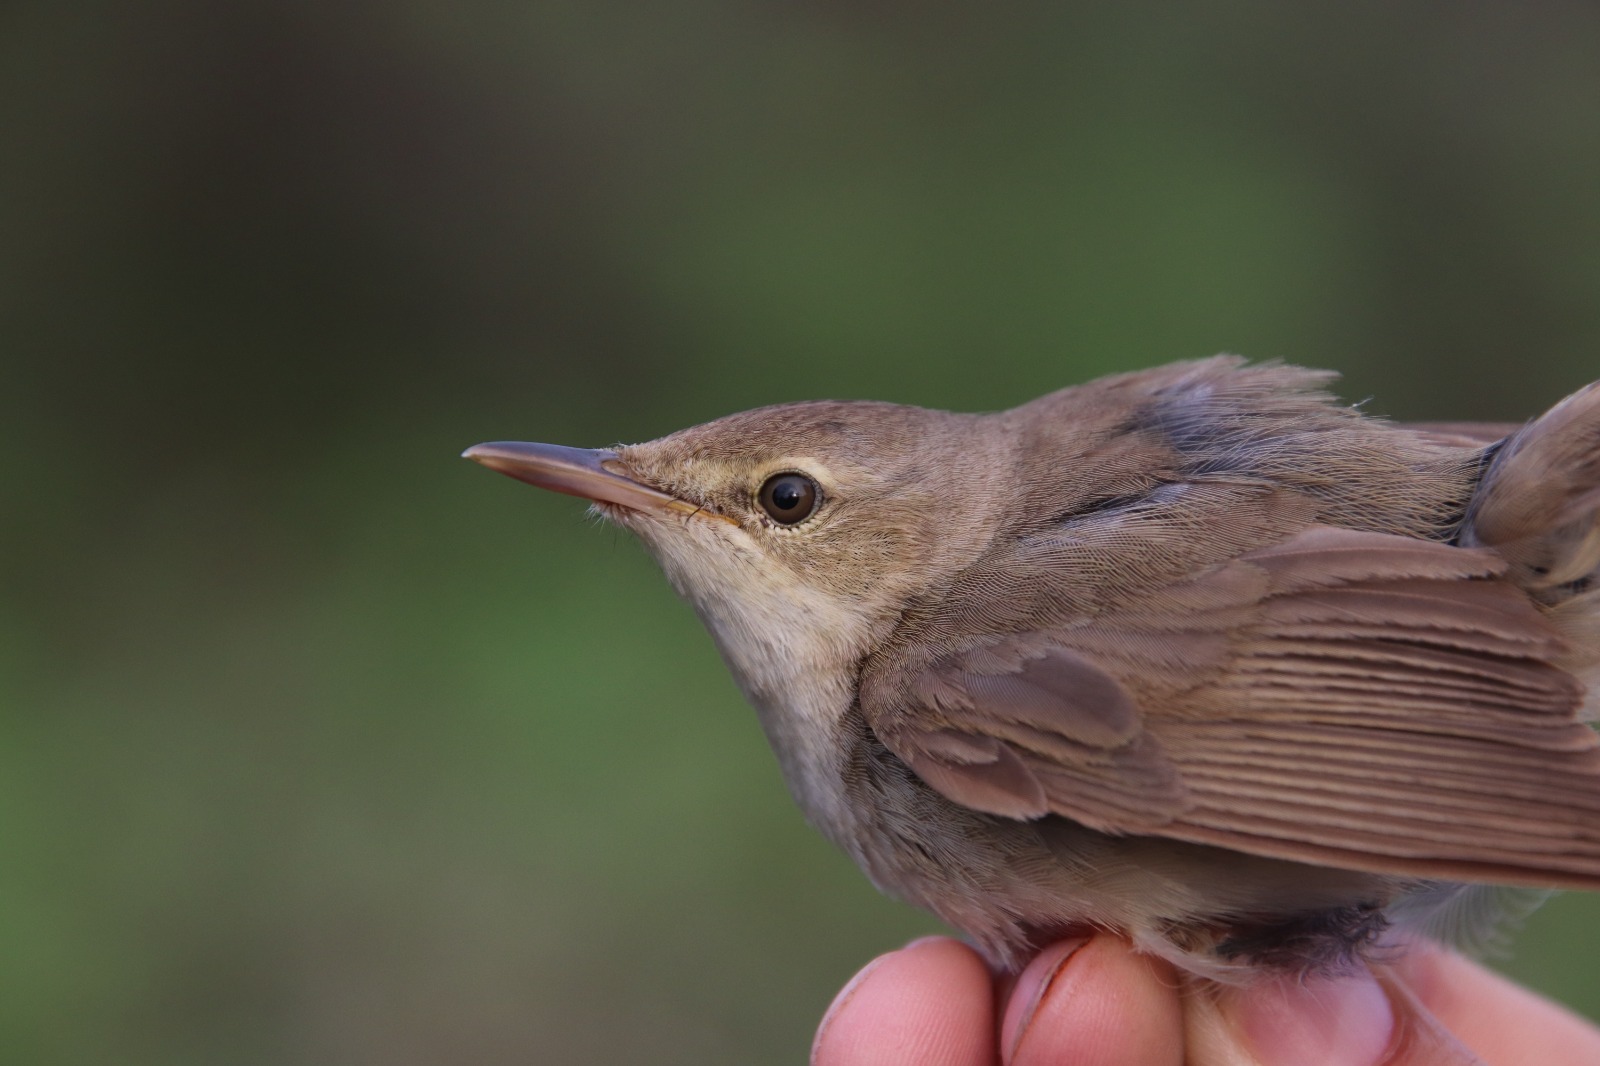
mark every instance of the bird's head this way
{"type": "Point", "coordinates": [800, 530]}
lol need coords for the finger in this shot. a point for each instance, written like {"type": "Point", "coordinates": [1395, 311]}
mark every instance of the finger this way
{"type": "Point", "coordinates": [1504, 1023]}
{"type": "Point", "coordinates": [1420, 1039]}
{"type": "Point", "coordinates": [1340, 1021]}
{"type": "Point", "coordinates": [1350, 1020]}
{"type": "Point", "coordinates": [931, 1002]}
{"type": "Point", "coordinates": [1094, 1003]}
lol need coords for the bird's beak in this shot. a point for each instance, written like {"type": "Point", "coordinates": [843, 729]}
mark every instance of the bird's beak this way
{"type": "Point", "coordinates": [592, 474]}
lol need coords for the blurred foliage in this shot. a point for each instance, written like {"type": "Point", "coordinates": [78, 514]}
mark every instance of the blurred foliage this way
{"type": "Point", "coordinates": [319, 745]}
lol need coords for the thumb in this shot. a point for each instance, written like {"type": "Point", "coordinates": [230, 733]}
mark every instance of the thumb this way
{"type": "Point", "coordinates": [1350, 1020]}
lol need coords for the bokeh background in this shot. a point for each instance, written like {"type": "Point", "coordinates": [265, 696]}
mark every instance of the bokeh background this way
{"type": "Point", "coordinates": [318, 744]}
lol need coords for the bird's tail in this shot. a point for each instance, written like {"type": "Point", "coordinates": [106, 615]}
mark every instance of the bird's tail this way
{"type": "Point", "coordinates": [1538, 506]}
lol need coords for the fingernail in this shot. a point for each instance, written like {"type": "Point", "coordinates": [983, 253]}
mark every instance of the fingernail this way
{"type": "Point", "coordinates": [1030, 991]}
{"type": "Point", "coordinates": [1339, 1021]}
{"type": "Point", "coordinates": [932, 938]}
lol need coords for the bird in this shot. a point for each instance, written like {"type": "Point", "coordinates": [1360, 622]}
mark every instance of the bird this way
{"type": "Point", "coordinates": [1198, 655]}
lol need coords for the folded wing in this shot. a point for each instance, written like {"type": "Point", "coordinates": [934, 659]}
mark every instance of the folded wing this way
{"type": "Point", "coordinates": [1340, 697]}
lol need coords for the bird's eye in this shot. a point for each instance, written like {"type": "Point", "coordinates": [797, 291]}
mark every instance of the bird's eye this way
{"type": "Point", "coordinates": [789, 498]}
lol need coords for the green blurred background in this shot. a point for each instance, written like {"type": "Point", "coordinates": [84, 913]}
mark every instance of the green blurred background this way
{"type": "Point", "coordinates": [321, 745]}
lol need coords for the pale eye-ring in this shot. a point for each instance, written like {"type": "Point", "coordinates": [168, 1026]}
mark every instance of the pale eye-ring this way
{"type": "Point", "coordinates": [789, 498]}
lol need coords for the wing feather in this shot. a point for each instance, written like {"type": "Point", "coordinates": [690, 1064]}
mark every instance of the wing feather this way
{"type": "Point", "coordinates": [1371, 701]}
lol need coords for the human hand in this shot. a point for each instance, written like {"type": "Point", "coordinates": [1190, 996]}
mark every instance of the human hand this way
{"type": "Point", "coordinates": [1096, 1001]}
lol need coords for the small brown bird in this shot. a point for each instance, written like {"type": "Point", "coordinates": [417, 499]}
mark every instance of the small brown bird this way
{"type": "Point", "coordinates": [1195, 654]}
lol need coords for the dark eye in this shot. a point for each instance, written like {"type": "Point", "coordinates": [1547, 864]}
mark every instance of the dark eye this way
{"type": "Point", "coordinates": [789, 498]}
